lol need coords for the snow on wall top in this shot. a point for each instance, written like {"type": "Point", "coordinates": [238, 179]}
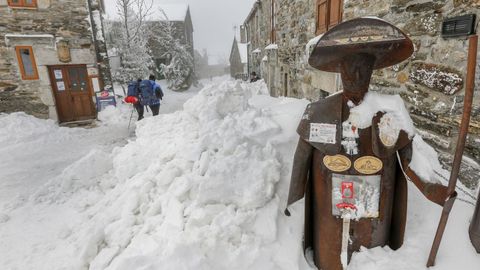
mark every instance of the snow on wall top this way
{"type": "Point", "coordinates": [243, 50]}
{"type": "Point", "coordinates": [272, 46]}
{"type": "Point", "coordinates": [174, 12]}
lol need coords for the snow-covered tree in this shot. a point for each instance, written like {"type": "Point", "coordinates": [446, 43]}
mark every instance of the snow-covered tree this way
{"type": "Point", "coordinates": [131, 35]}
{"type": "Point", "coordinates": [179, 71]}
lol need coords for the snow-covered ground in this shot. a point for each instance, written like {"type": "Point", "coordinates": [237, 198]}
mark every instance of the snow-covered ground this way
{"type": "Point", "coordinates": [202, 187]}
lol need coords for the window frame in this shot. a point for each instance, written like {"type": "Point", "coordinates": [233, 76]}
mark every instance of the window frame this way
{"type": "Point", "coordinates": [327, 25]}
{"type": "Point", "coordinates": [26, 77]}
{"type": "Point", "coordinates": [22, 4]}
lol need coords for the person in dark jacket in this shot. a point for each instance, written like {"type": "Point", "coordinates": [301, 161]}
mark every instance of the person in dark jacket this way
{"type": "Point", "coordinates": [253, 77]}
{"type": "Point", "coordinates": [138, 107]}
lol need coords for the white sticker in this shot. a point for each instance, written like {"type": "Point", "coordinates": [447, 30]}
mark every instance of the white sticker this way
{"type": "Point", "coordinates": [96, 85]}
{"type": "Point", "coordinates": [58, 74]}
{"type": "Point", "coordinates": [61, 86]}
{"type": "Point", "coordinates": [323, 133]}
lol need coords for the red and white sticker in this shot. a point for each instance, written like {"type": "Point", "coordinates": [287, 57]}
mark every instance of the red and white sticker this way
{"type": "Point", "coordinates": [347, 190]}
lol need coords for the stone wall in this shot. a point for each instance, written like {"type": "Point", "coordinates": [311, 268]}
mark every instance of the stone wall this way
{"type": "Point", "coordinates": [295, 31]}
{"type": "Point", "coordinates": [258, 28]}
{"type": "Point", "coordinates": [42, 28]}
{"type": "Point", "coordinates": [432, 81]}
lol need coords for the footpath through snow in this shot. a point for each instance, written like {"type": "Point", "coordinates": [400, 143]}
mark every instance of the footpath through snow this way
{"type": "Point", "coordinates": [200, 188]}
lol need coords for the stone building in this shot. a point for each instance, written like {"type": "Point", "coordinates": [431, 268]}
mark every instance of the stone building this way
{"type": "Point", "coordinates": [431, 82]}
{"type": "Point", "coordinates": [282, 34]}
{"type": "Point", "coordinates": [178, 15]}
{"type": "Point", "coordinates": [238, 60]}
{"type": "Point", "coordinates": [53, 57]}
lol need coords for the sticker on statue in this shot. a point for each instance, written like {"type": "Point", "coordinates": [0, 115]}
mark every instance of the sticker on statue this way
{"type": "Point", "coordinates": [349, 138]}
{"type": "Point", "coordinates": [358, 193]}
{"type": "Point", "coordinates": [323, 133]}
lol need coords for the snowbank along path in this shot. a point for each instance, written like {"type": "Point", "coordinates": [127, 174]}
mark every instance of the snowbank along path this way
{"type": "Point", "coordinates": [200, 188]}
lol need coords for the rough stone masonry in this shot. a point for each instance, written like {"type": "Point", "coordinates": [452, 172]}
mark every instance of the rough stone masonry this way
{"type": "Point", "coordinates": [432, 81]}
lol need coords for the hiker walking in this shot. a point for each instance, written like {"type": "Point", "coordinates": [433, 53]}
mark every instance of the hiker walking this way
{"type": "Point", "coordinates": [150, 94]}
{"type": "Point", "coordinates": [143, 93]}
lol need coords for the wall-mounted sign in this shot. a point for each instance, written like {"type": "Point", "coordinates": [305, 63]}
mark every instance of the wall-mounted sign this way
{"type": "Point", "coordinates": [63, 51]}
{"type": "Point", "coordinates": [61, 86]}
{"type": "Point", "coordinates": [58, 74]}
{"type": "Point", "coordinates": [95, 84]}
{"type": "Point", "coordinates": [92, 71]}
{"type": "Point", "coordinates": [459, 26]}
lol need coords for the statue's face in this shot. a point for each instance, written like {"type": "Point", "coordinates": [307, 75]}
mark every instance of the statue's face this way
{"type": "Point", "coordinates": [356, 72]}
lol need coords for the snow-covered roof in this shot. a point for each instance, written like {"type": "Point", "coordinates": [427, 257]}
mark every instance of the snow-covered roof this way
{"type": "Point", "coordinates": [174, 12]}
{"type": "Point", "coordinates": [257, 50]}
{"type": "Point", "coordinates": [243, 49]}
{"type": "Point", "coordinates": [272, 46]}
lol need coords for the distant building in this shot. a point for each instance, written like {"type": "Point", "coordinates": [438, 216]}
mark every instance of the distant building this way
{"type": "Point", "coordinates": [239, 60]}
{"type": "Point", "coordinates": [53, 57]}
{"type": "Point", "coordinates": [179, 16]}
{"type": "Point", "coordinates": [204, 69]}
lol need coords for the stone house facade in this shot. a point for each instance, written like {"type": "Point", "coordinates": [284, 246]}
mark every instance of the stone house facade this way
{"type": "Point", "coordinates": [53, 58]}
{"type": "Point", "coordinates": [238, 60]}
{"type": "Point", "coordinates": [282, 34]}
{"type": "Point", "coordinates": [431, 82]}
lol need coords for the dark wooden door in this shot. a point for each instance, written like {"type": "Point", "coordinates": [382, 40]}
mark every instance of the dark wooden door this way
{"type": "Point", "coordinates": [72, 92]}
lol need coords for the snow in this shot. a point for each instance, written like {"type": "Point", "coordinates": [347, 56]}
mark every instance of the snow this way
{"type": "Point", "coordinates": [425, 162]}
{"type": "Point", "coordinates": [311, 44]}
{"type": "Point", "coordinates": [361, 116]}
{"type": "Point", "coordinates": [272, 47]}
{"type": "Point", "coordinates": [97, 18]}
{"type": "Point", "coordinates": [243, 49]}
{"type": "Point", "coordinates": [174, 12]}
{"type": "Point", "coordinates": [257, 50]}
{"type": "Point", "coordinates": [424, 158]}
{"type": "Point", "coordinates": [203, 187]}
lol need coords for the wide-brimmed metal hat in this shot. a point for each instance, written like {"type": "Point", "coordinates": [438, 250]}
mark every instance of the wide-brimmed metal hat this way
{"type": "Point", "coordinates": [368, 35]}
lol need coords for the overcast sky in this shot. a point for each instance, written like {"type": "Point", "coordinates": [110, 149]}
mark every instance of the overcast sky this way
{"type": "Point", "coordinates": [213, 22]}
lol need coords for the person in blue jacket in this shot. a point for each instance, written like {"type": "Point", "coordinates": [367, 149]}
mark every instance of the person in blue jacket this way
{"type": "Point", "coordinates": [150, 95]}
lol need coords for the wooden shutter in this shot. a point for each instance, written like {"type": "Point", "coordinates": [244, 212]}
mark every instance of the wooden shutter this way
{"type": "Point", "coordinates": [322, 18]}
{"type": "Point", "coordinates": [335, 13]}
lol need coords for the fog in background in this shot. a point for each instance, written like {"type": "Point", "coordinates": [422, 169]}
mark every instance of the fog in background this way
{"type": "Point", "coordinates": [213, 23]}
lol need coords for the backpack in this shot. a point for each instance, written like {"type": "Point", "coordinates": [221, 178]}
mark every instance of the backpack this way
{"type": "Point", "coordinates": [147, 93]}
{"type": "Point", "coordinates": [132, 89]}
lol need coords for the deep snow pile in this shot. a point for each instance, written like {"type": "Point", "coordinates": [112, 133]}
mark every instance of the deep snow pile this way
{"type": "Point", "coordinates": [203, 188]}
{"type": "Point", "coordinates": [197, 189]}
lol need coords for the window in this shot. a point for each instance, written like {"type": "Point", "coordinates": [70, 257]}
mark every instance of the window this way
{"type": "Point", "coordinates": [329, 14]}
{"type": "Point", "coordinates": [27, 64]}
{"type": "Point", "coordinates": [22, 3]}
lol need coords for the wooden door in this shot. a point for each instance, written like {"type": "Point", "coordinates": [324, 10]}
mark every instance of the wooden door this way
{"type": "Point", "coordinates": [72, 92]}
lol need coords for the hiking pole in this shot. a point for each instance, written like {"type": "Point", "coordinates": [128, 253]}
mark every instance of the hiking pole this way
{"type": "Point", "coordinates": [130, 121]}
{"type": "Point", "coordinates": [457, 160]}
